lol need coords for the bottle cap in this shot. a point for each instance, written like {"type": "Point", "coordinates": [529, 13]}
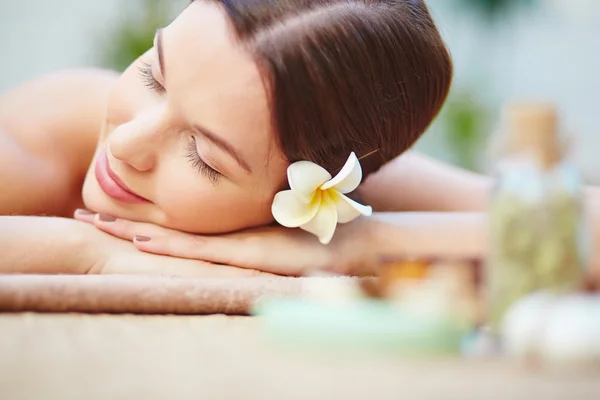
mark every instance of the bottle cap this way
{"type": "Point", "coordinates": [533, 128]}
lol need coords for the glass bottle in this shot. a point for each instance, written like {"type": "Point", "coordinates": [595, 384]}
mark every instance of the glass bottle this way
{"type": "Point", "coordinates": [537, 234]}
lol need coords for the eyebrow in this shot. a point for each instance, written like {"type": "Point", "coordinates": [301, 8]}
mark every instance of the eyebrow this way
{"type": "Point", "coordinates": [215, 139]}
{"type": "Point", "coordinates": [225, 146]}
{"type": "Point", "coordinates": [159, 50]}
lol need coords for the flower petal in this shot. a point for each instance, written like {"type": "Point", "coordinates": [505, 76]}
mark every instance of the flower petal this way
{"type": "Point", "coordinates": [347, 208]}
{"type": "Point", "coordinates": [305, 177]}
{"type": "Point", "coordinates": [348, 178]}
{"type": "Point", "coordinates": [324, 223]}
{"type": "Point", "coordinates": [291, 212]}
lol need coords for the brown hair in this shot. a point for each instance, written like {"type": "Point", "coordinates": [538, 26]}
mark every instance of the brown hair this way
{"type": "Point", "coordinates": [366, 76]}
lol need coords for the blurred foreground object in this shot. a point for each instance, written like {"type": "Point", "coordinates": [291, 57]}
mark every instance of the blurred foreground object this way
{"type": "Point", "coordinates": [438, 288]}
{"type": "Point", "coordinates": [415, 307]}
{"type": "Point", "coordinates": [556, 330]}
{"type": "Point", "coordinates": [536, 214]}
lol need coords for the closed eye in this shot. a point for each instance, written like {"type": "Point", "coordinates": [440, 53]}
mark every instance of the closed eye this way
{"type": "Point", "coordinates": [145, 73]}
{"type": "Point", "coordinates": [210, 173]}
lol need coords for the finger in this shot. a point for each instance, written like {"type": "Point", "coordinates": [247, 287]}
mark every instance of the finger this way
{"type": "Point", "coordinates": [125, 229]}
{"type": "Point", "coordinates": [229, 250]}
{"type": "Point", "coordinates": [84, 216]}
{"type": "Point", "coordinates": [183, 246]}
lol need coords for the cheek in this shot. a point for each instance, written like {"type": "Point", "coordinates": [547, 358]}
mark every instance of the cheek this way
{"type": "Point", "coordinates": [196, 205]}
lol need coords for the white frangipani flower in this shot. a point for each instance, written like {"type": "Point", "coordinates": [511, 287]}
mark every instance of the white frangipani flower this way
{"type": "Point", "coordinates": [316, 202]}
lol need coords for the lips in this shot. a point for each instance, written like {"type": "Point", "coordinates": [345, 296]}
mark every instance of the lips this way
{"type": "Point", "coordinates": [111, 184]}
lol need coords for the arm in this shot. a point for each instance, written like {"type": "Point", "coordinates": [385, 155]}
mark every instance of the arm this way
{"type": "Point", "coordinates": [48, 132]}
{"type": "Point", "coordinates": [414, 182]}
{"type": "Point", "coordinates": [45, 245]}
{"type": "Point", "coordinates": [457, 234]}
{"type": "Point", "coordinates": [354, 250]}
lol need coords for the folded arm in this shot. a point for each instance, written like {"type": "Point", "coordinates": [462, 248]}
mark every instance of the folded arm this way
{"type": "Point", "coordinates": [414, 182]}
{"type": "Point", "coordinates": [47, 245]}
{"type": "Point", "coordinates": [43, 245]}
{"type": "Point", "coordinates": [355, 248]}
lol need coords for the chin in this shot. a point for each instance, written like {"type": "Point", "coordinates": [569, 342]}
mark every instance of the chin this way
{"type": "Point", "coordinates": [88, 193]}
{"type": "Point", "coordinates": [95, 200]}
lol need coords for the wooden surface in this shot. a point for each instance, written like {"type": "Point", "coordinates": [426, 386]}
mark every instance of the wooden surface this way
{"type": "Point", "coordinates": [78, 356]}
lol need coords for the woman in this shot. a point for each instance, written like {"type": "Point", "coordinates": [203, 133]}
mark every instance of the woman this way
{"type": "Point", "coordinates": [199, 132]}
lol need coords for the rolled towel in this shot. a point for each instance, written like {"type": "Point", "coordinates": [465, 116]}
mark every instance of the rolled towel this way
{"type": "Point", "coordinates": [148, 295]}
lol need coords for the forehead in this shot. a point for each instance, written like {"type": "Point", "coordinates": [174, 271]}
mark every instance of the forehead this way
{"type": "Point", "coordinates": [213, 81]}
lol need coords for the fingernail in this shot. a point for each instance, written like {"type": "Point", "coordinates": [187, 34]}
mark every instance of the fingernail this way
{"type": "Point", "coordinates": [106, 218]}
{"type": "Point", "coordinates": [140, 238]}
{"type": "Point", "coordinates": [83, 212]}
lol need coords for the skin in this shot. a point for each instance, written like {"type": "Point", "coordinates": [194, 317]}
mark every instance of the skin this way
{"type": "Point", "coordinates": [53, 129]}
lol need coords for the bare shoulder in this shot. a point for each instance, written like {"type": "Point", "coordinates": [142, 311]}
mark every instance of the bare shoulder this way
{"type": "Point", "coordinates": [63, 106]}
{"type": "Point", "coordinates": [48, 132]}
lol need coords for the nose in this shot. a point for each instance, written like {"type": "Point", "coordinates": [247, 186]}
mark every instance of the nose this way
{"type": "Point", "coordinates": [136, 142]}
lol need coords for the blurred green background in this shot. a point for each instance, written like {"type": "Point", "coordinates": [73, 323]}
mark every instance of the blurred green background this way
{"type": "Point", "coordinates": [133, 33]}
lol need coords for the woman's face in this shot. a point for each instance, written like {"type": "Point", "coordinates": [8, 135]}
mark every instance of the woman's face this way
{"type": "Point", "coordinates": [188, 142]}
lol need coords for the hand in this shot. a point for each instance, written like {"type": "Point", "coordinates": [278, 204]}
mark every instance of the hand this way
{"type": "Point", "coordinates": [111, 255]}
{"type": "Point", "coordinates": [271, 249]}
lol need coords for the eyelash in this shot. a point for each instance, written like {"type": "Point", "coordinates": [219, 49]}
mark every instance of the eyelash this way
{"type": "Point", "coordinates": [145, 72]}
{"type": "Point", "coordinates": [192, 155]}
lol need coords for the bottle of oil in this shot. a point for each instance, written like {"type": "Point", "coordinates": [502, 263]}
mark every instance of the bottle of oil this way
{"type": "Point", "coordinates": [537, 230]}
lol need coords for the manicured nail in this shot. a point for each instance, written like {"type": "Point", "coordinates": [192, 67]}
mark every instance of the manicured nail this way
{"type": "Point", "coordinates": [106, 218]}
{"type": "Point", "coordinates": [81, 211]}
{"type": "Point", "coordinates": [140, 238]}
